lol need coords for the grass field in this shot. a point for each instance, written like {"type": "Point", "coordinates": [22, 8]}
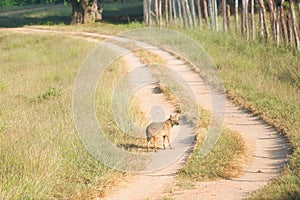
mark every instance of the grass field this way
{"type": "Point", "coordinates": [257, 76]}
{"type": "Point", "coordinates": [41, 154]}
{"type": "Point", "coordinates": [265, 80]}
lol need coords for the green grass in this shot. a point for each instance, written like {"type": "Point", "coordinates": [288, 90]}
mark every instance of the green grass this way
{"type": "Point", "coordinates": [224, 161]}
{"type": "Point", "coordinates": [41, 155]}
{"type": "Point", "coordinates": [49, 15]}
{"type": "Point", "coordinates": [258, 76]}
{"type": "Point", "coordinates": [104, 107]}
{"type": "Point", "coordinates": [265, 80]}
{"type": "Point", "coordinates": [126, 8]}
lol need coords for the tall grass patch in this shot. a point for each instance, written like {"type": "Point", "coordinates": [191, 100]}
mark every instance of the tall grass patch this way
{"type": "Point", "coordinates": [41, 155]}
{"type": "Point", "coordinates": [104, 108]}
{"type": "Point", "coordinates": [264, 79]}
{"type": "Point", "coordinates": [226, 160]}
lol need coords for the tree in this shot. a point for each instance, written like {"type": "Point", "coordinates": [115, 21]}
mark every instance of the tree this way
{"type": "Point", "coordinates": [236, 13]}
{"type": "Point", "coordinates": [294, 27]}
{"type": "Point", "coordinates": [199, 13]}
{"type": "Point", "coordinates": [224, 14]}
{"type": "Point", "coordinates": [252, 20]}
{"type": "Point", "coordinates": [263, 18]}
{"type": "Point", "coordinates": [85, 11]}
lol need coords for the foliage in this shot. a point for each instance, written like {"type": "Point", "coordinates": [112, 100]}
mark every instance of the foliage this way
{"type": "Point", "coordinates": [37, 15]}
{"type": "Point", "coordinates": [27, 2]}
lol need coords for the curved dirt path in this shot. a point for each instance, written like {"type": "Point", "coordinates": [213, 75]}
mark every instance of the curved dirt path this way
{"type": "Point", "coordinates": [157, 108]}
{"type": "Point", "coordinates": [268, 150]}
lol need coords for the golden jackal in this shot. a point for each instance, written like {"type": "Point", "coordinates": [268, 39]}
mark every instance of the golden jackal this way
{"type": "Point", "coordinates": [157, 129]}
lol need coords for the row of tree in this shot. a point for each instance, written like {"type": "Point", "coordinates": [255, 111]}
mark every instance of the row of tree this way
{"type": "Point", "coordinates": [276, 20]}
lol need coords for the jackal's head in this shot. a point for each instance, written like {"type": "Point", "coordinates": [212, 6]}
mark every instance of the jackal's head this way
{"type": "Point", "coordinates": [174, 119]}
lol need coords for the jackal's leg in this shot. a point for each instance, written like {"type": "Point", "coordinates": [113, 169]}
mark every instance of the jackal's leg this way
{"type": "Point", "coordinates": [154, 139]}
{"type": "Point", "coordinates": [149, 140]}
{"type": "Point", "coordinates": [164, 141]}
{"type": "Point", "coordinates": [168, 137]}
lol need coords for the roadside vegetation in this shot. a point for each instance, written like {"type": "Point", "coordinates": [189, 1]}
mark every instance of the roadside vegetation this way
{"type": "Point", "coordinates": [229, 154]}
{"type": "Point", "coordinates": [41, 155]}
{"type": "Point", "coordinates": [266, 81]}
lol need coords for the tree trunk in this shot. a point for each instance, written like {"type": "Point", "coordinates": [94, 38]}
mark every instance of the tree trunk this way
{"type": "Point", "coordinates": [211, 13]}
{"type": "Point", "coordinates": [188, 11]}
{"type": "Point", "coordinates": [156, 12]}
{"type": "Point", "coordinates": [193, 13]}
{"type": "Point", "coordinates": [224, 14]}
{"type": "Point", "coordinates": [277, 28]}
{"type": "Point", "coordinates": [243, 26]}
{"type": "Point", "coordinates": [179, 11]}
{"type": "Point", "coordinates": [174, 11]}
{"type": "Point", "coordinates": [236, 14]}
{"type": "Point", "coordinates": [290, 30]}
{"type": "Point", "coordinates": [160, 12]}
{"type": "Point", "coordinates": [184, 13]}
{"type": "Point", "coordinates": [145, 10]}
{"type": "Point", "coordinates": [216, 15]}
{"type": "Point", "coordinates": [264, 21]}
{"type": "Point", "coordinates": [77, 12]}
{"type": "Point", "coordinates": [149, 13]}
{"type": "Point", "coordinates": [167, 11]}
{"type": "Point", "coordinates": [246, 19]}
{"type": "Point", "coordinates": [205, 9]}
{"type": "Point", "coordinates": [170, 11]}
{"type": "Point", "coordinates": [252, 20]}
{"type": "Point", "coordinates": [261, 23]}
{"type": "Point", "coordinates": [272, 17]}
{"type": "Point", "coordinates": [293, 15]}
{"type": "Point", "coordinates": [283, 24]}
{"type": "Point", "coordinates": [299, 14]}
{"type": "Point", "coordinates": [228, 17]}
{"type": "Point", "coordinates": [83, 12]}
{"type": "Point", "coordinates": [199, 13]}
{"type": "Point", "coordinates": [271, 8]}
{"type": "Point", "coordinates": [100, 5]}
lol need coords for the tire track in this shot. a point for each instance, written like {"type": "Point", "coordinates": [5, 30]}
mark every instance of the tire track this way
{"type": "Point", "coordinates": [268, 152]}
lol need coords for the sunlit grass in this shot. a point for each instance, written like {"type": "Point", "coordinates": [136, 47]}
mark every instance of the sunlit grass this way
{"type": "Point", "coordinates": [41, 155]}
{"type": "Point", "coordinates": [257, 76]}
{"type": "Point", "coordinates": [265, 80]}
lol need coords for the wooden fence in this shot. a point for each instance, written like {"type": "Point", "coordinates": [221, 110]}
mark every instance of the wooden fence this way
{"type": "Point", "coordinates": [271, 20]}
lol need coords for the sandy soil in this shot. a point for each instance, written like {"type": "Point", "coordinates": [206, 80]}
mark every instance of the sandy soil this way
{"type": "Point", "coordinates": [268, 150]}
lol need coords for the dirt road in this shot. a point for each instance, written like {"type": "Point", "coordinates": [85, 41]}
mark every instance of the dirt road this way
{"type": "Point", "coordinates": [268, 150]}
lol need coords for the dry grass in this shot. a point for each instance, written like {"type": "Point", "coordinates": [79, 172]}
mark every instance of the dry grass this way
{"type": "Point", "coordinates": [150, 58]}
{"type": "Point", "coordinates": [229, 155]}
{"type": "Point", "coordinates": [259, 76]}
{"type": "Point", "coordinates": [41, 155]}
{"type": "Point", "coordinates": [226, 160]}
